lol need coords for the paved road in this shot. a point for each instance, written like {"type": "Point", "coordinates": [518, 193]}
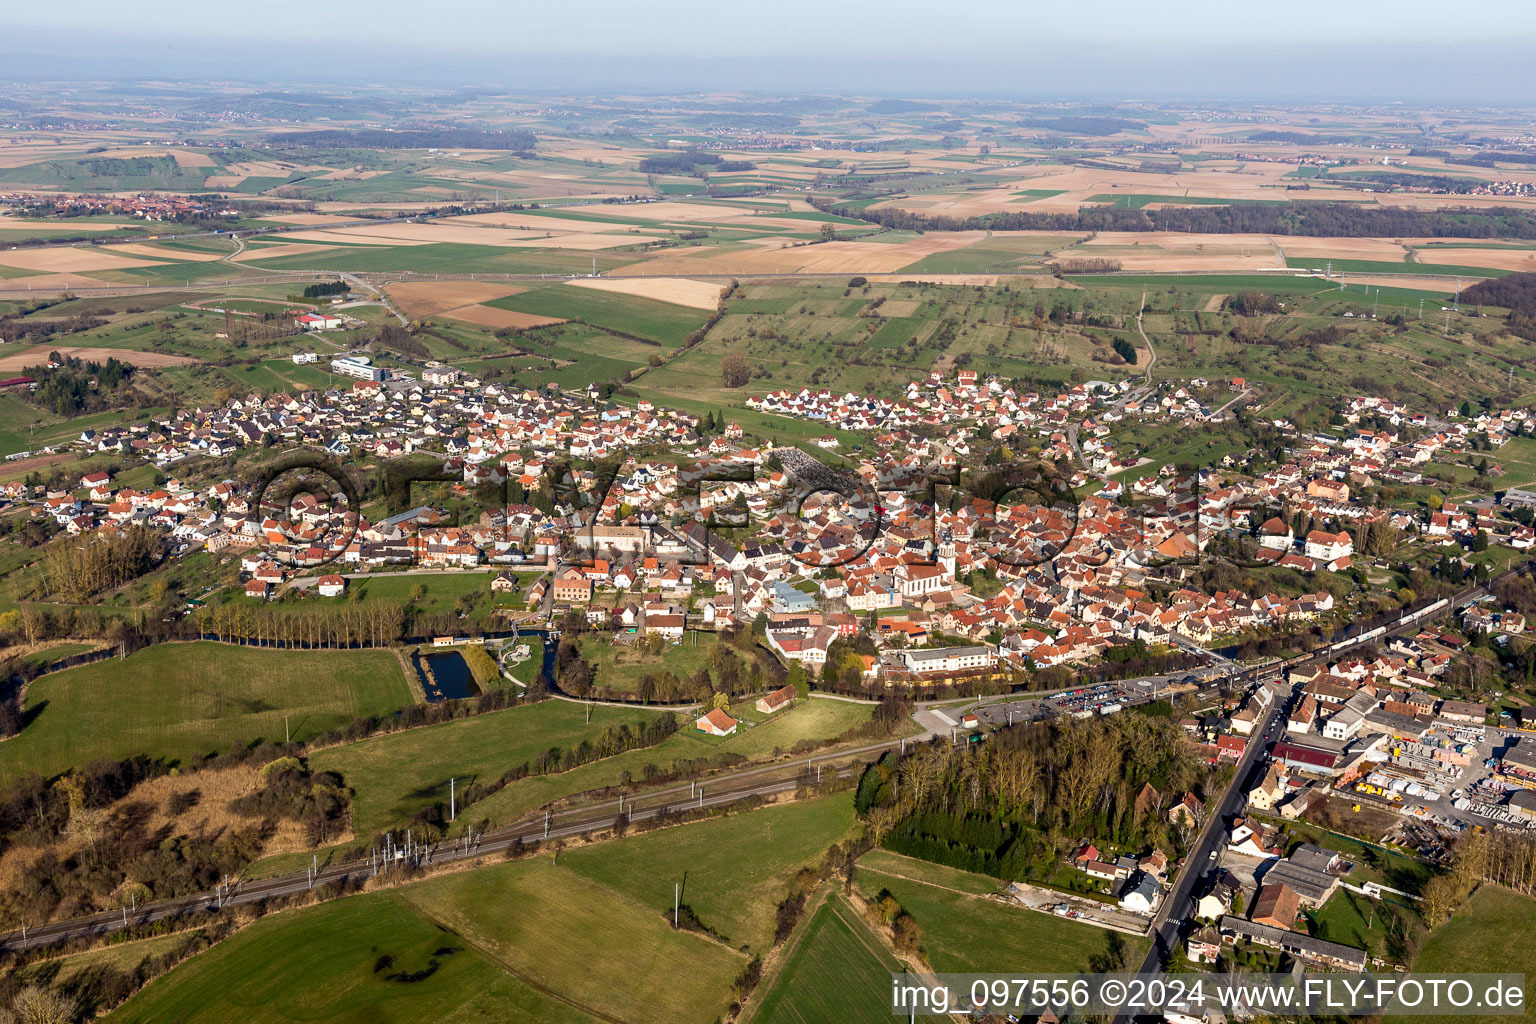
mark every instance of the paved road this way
{"type": "Point", "coordinates": [1178, 903]}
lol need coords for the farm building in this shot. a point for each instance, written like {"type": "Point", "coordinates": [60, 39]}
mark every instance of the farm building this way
{"type": "Point", "coordinates": [776, 700]}
{"type": "Point", "coordinates": [716, 723]}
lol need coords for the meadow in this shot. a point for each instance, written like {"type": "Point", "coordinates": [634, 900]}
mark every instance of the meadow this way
{"type": "Point", "coordinates": [181, 701]}
{"type": "Point", "coordinates": [733, 870]}
{"type": "Point", "coordinates": [835, 970]}
{"type": "Point", "coordinates": [962, 932]}
{"type": "Point", "coordinates": [585, 935]}
{"type": "Point", "coordinates": [384, 962]}
{"type": "Point", "coordinates": [395, 775]}
{"type": "Point", "coordinates": [1482, 936]}
{"type": "Point", "coordinates": [813, 721]}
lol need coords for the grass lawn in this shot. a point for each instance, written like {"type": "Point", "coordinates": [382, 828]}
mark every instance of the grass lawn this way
{"type": "Point", "coordinates": [620, 666]}
{"type": "Point", "coordinates": [275, 972]}
{"type": "Point", "coordinates": [1483, 936]}
{"type": "Point", "coordinates": [596, 946]}
{"type": "Point", "coordinates": [180, 701]}
{"type": "Point", "coordinates": [837, 971]}
{"type": "Point", "coordinates": [395, 775]}
{"type": "Point", "coordinates": [1354, 920]}
{"type": "Point", "coordinates": [961, 932]}
{"type": "Point", "coordinates": [734, 870]}
{"type": "Point", "coordinates": [123, 956]}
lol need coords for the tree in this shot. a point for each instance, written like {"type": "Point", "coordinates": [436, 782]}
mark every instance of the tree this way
{"type": "Point", "coordinates": [735, 369]}
{"type": "Point", "coordinates": [36, 1004]}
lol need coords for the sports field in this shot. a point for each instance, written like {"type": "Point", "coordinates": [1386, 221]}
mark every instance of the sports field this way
{"type": "Point", "coordinates": [181, 701]}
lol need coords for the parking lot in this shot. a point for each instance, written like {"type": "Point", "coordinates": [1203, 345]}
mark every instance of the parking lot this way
{"type": "Point", "coordinates": [1102, 699]}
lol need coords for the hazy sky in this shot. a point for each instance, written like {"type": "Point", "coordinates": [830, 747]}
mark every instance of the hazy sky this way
{"type": "Point", "coordinates": [1371, 48]}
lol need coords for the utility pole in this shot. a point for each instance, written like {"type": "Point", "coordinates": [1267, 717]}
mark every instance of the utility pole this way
{"type": "Point", "coordinates": [677, 895]}
{"type": "Point", "coordinates": [452, 799]}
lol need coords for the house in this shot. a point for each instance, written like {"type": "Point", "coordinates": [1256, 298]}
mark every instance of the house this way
{"type": "Point", "coordinates": [331, 585]}
{"type": "Point", "coordinates": [1311, 872]}
{"type": "Point", "coordinates": [1327, 547]}
{"type": "Point", "coordinates": [1218, 897]}
{"type": "Point", "coordinates": [1203, 945]}
{"type": "Point", "coordinates": [504, 583]}
{"type": "Point", "coordinates": [1275, 905]}
{"type": "Point", "coordinates": [1276, 534]}
{"type": "Point", "coordinates": [668, 627]}
{"type": "Point", "coordinates": [1270, 790]}
{"type": "Point", "coordinates": [1187, 811]}
{"type": "Point", "coordinates": [572, 587]}
{"type": "Point", "coordinates": [259, 589]}
{"type": "Point", "coordinates": [717, 723]}
{"type": "Point", "coordinates": [776, 700]}
{"type": "Point", "coordinates": [1298, 944]}
{"type": "Point", "coordinates": [1140, 896]}
{"type": "Point", "coordinates": [1463, 711]}
{"type": "Point", "coordinates": [1247, 841]}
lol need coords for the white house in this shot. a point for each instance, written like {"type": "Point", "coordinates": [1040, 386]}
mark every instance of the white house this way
{"type": "Point", "coordinates": [716, 723]}
{"type": "Point", "coordinates": [1325, 546]}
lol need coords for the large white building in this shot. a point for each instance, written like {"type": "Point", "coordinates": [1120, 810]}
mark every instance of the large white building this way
{"type": "Point", "coordinates": [949, 659]}
{"type": "Point", "coordinates": [356, 366]}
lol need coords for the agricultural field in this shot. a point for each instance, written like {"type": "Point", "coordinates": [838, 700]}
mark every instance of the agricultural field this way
{"type": "Point", "coordinates": [665, 323]}
{"type": "Point", "coordinates": [835, 969]}
{"type": "Point", "coordinates": [734, 870]}
{"type": "Point", "coordinates": [181, 701]}
{"type": "Point", "coordinates": [386, 961]}
{"type": "Point", "coordinates": [599, 948]}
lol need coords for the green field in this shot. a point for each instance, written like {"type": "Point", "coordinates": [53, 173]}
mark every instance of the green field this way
{"type": "Point", "coordinates": [323, 963]}
{"type": "Point", "coordinates": [734, 870]}
{"type": "Point", "coordinates": [395, 775]}
{"type": "Point", "coordinates": [599, 947]}
{"type": "Point", "coordinates": [664, 322]}
{"type": "Point", "coordinates": [963, 933]}
{"type": "Point", "coordinates": [812, 720]}
{"type": "Point", "coordinates": [620, 667]}
{"type": "Point", "coordinates": [1384, 267]}
{"type": "Point", "coordinates": [181, 701]}
{"type": "Point", "coordinates": [1485, 935]}
{"type": "Point", "coordinates": [837, 970]}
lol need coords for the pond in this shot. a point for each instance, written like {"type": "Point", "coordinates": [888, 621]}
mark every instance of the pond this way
{"type": "Point", "coordinates": [445, 676]}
